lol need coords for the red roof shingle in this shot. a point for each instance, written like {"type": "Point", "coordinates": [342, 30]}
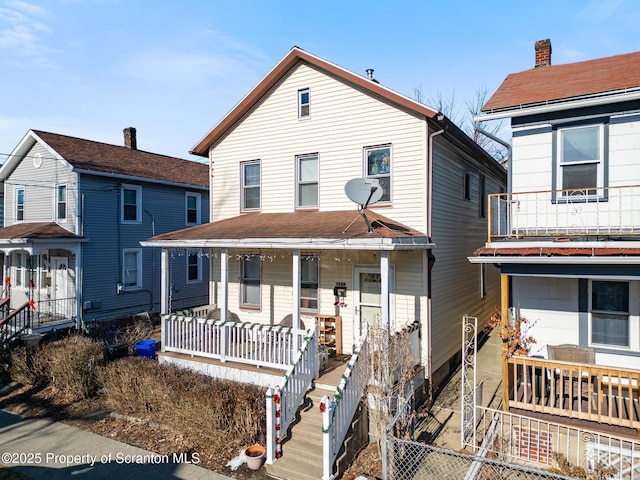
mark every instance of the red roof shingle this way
{"type": "Point", "coordinates": [38, 230]}
{"type": "Point", "coordinates": [551, 83]}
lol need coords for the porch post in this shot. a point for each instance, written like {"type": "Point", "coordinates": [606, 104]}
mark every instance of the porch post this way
{"type": "Point", "coordinates": [78, 283]}
{"type": "Point", "coordinates": [164, 282]}
{"type": "Point", "coordinates": [504, 311]}
{"type": "Point", "coordinates": [384, 290]}
{"type": "Point", "coordinates": [224, 298]}
{"type": "Point", "coordinates": [295, 321]}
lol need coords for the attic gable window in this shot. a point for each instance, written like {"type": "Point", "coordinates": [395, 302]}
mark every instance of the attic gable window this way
{"type": "Point", "coordinates": [378, 165]}
{"type": "Point", "coordinates": [131, 202]}
{"type": "Point", "coordinates": [303, 103]}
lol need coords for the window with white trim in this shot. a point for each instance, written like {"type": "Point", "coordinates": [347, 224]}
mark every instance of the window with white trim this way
{"type": "Point", "coordinates": [20, 204]}
{"type": "Point", "coordinates": [61, 202]}
{"type": "Point", "coordinates": [194, 266]}
{"type": "Point", "coordinates": [309, 273]}
{"type": "Point", "coordinates": [132, 268]}
{"type": "Point", "coordinates": [19, 269]}
{"type": "Point", "coordinates": [610, 313]}
{"type": "Point", "coordinates": [250, 186]}
{"type": "Point", "coordinates": [580, 160]}
{"type": "Point", "coordinates": [378, 165]}
{"type": "Point", "coordinates": [131, 203]}
{"type": "Point", "coordinates": [303, 103]}
{"type": "Point", "coordinates": [192, 207]}
{"type": "Point", "coordinates": [307, 181]}
{"type": "Point", "coordinates": [250, 281]}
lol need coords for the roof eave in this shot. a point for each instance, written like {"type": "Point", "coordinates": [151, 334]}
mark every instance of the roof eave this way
{"type": "Point", "coordinates": [274, 76]}
{"type": "Point", "coordinates": [557, 106]}
{"type": "Point", "coordinates": [556, 260]}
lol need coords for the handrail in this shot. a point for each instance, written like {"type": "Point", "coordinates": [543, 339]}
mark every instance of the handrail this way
{"type": "Point", "coordinates": [283, 401]}
{"type": "Point", "coordinates": [569, 212]}
{"type": "Point", "coordinates": [19, 320]}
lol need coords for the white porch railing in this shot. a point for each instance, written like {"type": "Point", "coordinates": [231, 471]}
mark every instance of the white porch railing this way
{"type": "Point", "coordinates": [283, 401]}
{"type": "Point", "coordinates": [339, 411]}
{"type": "Point", "coordinates": [518, 438]}
{"type": "Point", "coordinates": [251, 343]}
{"type": "Point", "coordinates": [552, 213]}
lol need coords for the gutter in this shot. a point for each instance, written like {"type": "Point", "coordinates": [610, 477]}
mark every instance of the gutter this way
{"type": "Point", "coordinates": [564, 104]}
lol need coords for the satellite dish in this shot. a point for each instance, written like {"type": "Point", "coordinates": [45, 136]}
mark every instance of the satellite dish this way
{"type": "Point", "coordinates": [363, 191]}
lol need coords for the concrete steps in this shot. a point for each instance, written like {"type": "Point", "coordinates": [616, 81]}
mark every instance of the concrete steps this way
{"type": "Point", "coordinates": [302, 450]}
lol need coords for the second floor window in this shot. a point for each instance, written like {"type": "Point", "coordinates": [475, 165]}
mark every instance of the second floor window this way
{"type": "Point", "coordinates": [250, 186]}
{"type": "Point", "coordinates": [20, 204]}
{"type": "Point", "coordinates": [378, 165]}
{"type": "Point", "coordinates": [303, 103]}
{"type": "Point", "coordinates": [132, 268]}
{"type": "Point", "coordinates": [250, 281]}
{"type": "Point", "coordinates": [307, 176]}
{"type": "Point", "coordinates": [193, 208]}
{"type": "Point", "coordinates": [61, 203]}
{"type": "Point", "coordinates": [131, 203]}
{"type": "Point", "coordinates": [580, 160]}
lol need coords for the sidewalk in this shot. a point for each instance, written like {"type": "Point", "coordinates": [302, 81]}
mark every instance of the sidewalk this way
{"type": "Point", "coordinates": [45, 450]}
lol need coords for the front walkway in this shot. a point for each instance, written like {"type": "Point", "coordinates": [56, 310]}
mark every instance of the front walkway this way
{"type": "Point", "coordinates": [442, 428]}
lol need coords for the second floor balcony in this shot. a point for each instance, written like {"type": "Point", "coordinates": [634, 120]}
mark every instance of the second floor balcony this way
{"type": "Point", "coordinates": [602, 213]}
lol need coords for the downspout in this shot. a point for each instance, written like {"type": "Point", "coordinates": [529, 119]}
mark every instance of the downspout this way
{"type": "Point", "coordinates": [153, 260]}
{"type": "Point", "coordinates": [440, 117]}
{"type": "Point", "coordinates": [504, 144]}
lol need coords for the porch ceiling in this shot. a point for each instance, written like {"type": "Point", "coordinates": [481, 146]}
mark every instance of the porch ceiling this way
{"type": "Point", "coordinates": [325, 230]}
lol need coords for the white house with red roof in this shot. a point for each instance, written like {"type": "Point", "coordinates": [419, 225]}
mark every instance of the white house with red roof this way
{"type": "Point", "coordinates": [566, 237]}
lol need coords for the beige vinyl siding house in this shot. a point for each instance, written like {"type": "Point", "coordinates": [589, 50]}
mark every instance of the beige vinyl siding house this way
{"type": "Point", "coordinates": [356, 129]}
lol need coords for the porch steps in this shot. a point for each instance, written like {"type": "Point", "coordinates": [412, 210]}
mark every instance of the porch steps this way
{"type": "Point", "coordinates": [302, 450]}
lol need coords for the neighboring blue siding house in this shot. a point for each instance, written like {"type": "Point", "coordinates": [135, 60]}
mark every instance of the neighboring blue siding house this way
{"type": "Point", "coordinates": [76, 212]}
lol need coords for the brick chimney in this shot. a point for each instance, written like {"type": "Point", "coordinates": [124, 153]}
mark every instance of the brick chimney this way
{"type": "Point", "coordinates": [543, 52]}
{"type": "Point", "coordinates": [130, 139]}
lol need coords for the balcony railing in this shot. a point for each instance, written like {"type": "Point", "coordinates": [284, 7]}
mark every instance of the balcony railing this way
{"type": "Point", "coordinates": [587, 392]}
{"type": "Point", "coordinates": [610, 211]}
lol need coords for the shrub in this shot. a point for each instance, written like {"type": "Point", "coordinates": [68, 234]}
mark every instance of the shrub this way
{"type": "Point", "coordinates": [69, 365]}
{"type": "Point", "coordinates": [184, 400]}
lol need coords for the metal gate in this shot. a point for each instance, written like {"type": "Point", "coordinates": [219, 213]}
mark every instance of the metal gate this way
{"type": "Point", "coordinates": [469, 389]}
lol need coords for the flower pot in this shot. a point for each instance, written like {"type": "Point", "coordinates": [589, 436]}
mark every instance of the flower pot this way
{"type": "Point", "coordinates": [255, 456]}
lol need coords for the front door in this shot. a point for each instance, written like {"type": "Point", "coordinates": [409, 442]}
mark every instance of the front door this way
{"type": "Point", "coordinates": [60, 287]}
{"type": "Point", "coordinates": [367, 294]}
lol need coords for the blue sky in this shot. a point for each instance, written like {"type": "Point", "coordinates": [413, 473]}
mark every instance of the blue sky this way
{"type": "Point", "coordinates": [89, 68]}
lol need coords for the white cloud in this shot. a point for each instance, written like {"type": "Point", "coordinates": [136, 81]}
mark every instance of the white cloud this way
{"type": "Point", "coordinates": [597, 10]}
{"type": "Point", "coordinates": [22, 30]}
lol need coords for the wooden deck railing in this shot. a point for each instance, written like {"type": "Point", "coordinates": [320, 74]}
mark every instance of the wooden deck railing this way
{"type": "Point", "coordinates": [587, 392]}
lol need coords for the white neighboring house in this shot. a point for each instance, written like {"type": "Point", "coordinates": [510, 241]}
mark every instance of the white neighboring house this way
{"type": "Point", "coordinates": [566, 233]}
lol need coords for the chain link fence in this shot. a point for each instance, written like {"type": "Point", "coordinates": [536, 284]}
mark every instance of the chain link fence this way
{"type": "Point", "coordinates": [407, 459]}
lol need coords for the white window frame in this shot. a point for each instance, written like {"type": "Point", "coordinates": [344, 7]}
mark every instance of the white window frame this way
{"type": "Point", "coordinates": [20, 206]}
{"type": "Point", "coordinates": [138, 190]}
{"type": "Point", "coordinates": [20, 270]}
{"type": "Point", "coordinates": [244, 187]}
{"type": "Point", "coordinates": [300, 183]}
{"type": "Point", "coordinates": [198, 265]}
{"type": "Point", "coordinates": [187, 196]}
{"type": "Point", "coordinates": [304, 108]}
{"type": "Point", "coordinates": [315, 260]}
{"type": "Point", "coordinates": [138, 253]}
{"type": "Point", "coordinates": [244, 282]}
{"type": "Point", "coordinates": [384, 170]}
{"type": "Point", "coordinates": [599, 162]}
{"type": "Point", "coordinates": [632, 320]}
{"type": "Point", "coordinates": [58, 203]}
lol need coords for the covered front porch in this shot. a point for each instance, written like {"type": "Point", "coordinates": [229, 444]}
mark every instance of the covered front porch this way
{"type": "Point", "coordinates": [40, 271]}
